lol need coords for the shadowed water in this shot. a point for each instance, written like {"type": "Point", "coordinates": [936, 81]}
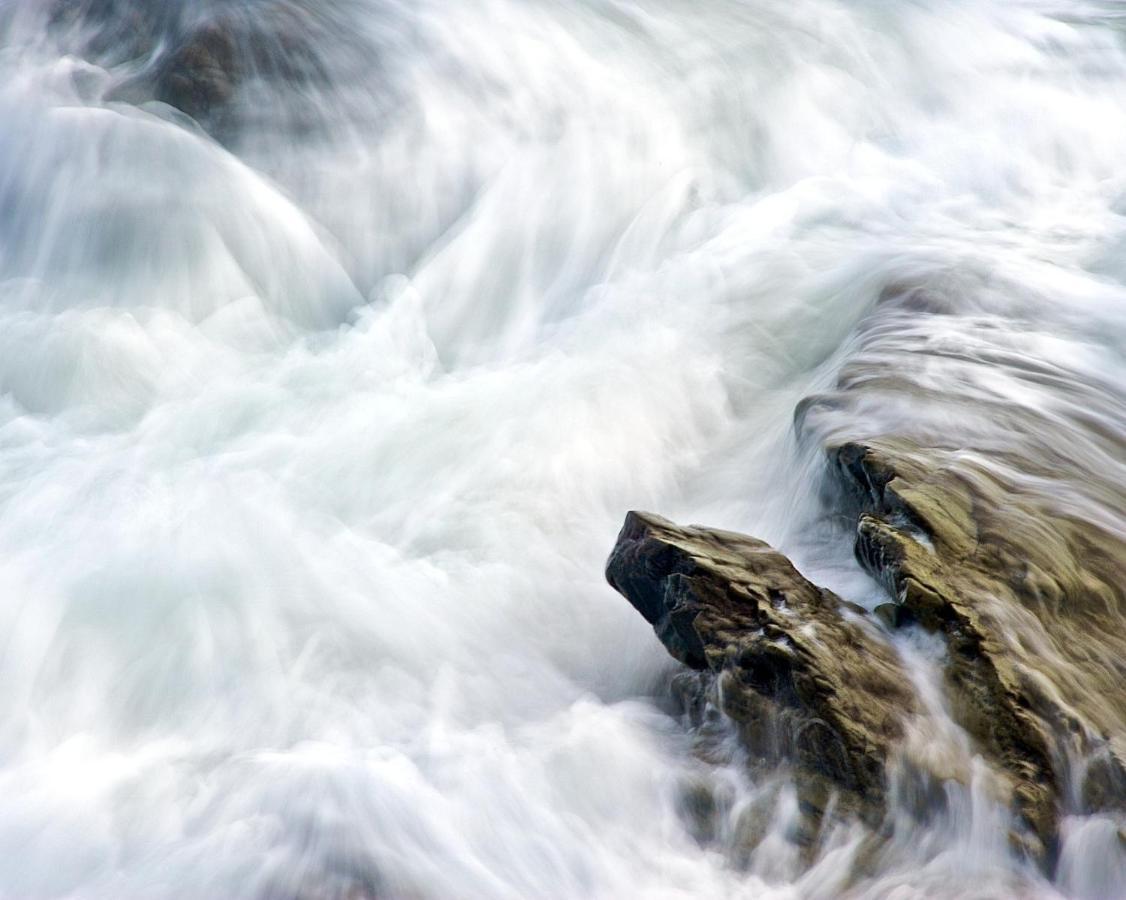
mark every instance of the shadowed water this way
{"type": "Point", "coordinates": [319, 413]}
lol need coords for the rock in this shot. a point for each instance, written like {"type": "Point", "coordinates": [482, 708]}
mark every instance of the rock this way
{"type": "Point", "coordinates": [200, 76]}
{"type": "Point", "coordinates": [803, 676]}
{"type": "Point", "coordinates": [203, 60]}
{"type": "Point", "coordinates": [985, 487]}
{"type": "Point", "coordinates": [998, 525]}
{"type": "Point", "coordinates": [1031, 606]}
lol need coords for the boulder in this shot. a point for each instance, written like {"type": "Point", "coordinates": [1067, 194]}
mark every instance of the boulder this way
{"type": "Point", "coordinates": [199, 77]}
{"type": "Point", "coordinates": [803, 675]}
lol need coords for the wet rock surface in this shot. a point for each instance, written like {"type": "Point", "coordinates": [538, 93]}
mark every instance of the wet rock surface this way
{"type": "Point", "coordinates": [804, 677]}
{"type": "Point", "coordinates": [1009, 545]}
{"type": "Point", "coordinates": [1030, 605]}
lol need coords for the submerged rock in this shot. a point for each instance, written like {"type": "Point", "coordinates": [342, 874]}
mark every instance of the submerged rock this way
{"type": "Point", "coordinates": [217, 57]}
{"type": "Point", "coordinates": [199, 77]}
{"type": "Point", "coordinates": [799, 671]}
{"type": "Point", "coordinates": [219, 63]}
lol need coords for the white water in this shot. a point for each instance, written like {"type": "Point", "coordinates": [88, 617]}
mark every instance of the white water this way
{"type": "Point", "coordinates": [311, 452]}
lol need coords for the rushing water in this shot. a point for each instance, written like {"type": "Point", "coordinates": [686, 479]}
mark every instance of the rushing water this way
{"type": "Point", "coordinates": [315, 431]}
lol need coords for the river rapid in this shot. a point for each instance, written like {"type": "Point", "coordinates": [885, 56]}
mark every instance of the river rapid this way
{"type": "Point", "coordinates": [319, 418]}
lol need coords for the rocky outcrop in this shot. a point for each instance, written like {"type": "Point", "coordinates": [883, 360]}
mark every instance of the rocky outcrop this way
{"type": "Point", "coordinates": [798, 670]}
{"type": "Point", "coordinates": [1031, 605]}
{"type": "Point", "coordinates": [986, 489]}
{"type": "Point", "coordinates": [199, 77]}
{"type": "Point", "coordinates": [998, 524]}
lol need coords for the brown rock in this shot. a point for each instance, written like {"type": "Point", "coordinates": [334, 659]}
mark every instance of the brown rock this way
{"type": "Point", "coordinates": [1028, 601]}
{"type": "Point", "coordinates": [999, 525]}
{"type": "Point", "coordinates": [986, 488]}
{"type": "Point", "coordinates": [804, 678]}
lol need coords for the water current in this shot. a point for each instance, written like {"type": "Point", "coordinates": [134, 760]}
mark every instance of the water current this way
{"type": "Point", "coordinates": [320, 412]}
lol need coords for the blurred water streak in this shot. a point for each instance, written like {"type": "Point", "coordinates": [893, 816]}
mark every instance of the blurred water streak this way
{"type": "Point", "coordinates": [319, 412]}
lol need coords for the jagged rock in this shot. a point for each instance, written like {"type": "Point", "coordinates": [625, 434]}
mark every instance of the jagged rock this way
{"type": "Point", "coordinates": [1005, 534]}
{"type": "Point", "coordinates": [798, 670]}
{"type": "Point", "coordinates": [1031, 604]}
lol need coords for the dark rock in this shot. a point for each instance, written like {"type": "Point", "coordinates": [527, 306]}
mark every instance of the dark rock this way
{"type": "Point", "coordinates": [703, 805]}
{"type": "Point", "coordinates": [200, 76]}
{"type": "Point", "coordinates": [805, 680]}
